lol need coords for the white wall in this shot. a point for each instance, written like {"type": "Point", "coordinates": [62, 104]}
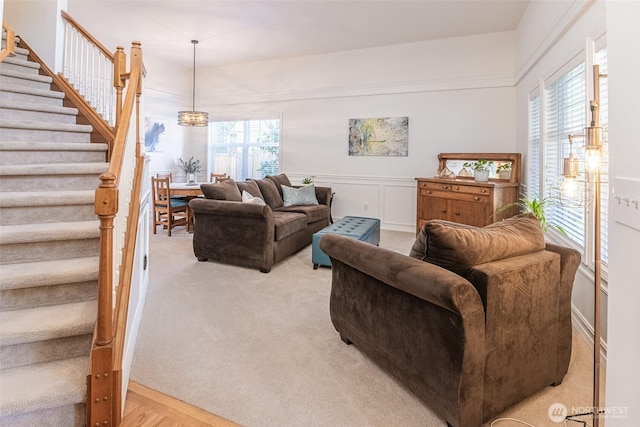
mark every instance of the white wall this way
{"type": "Point", "coordinates": [623, 370]}
{"type": "Point", "coordinates": [40, 24]}
{"type": "Point", "coordinates": [458, 94]}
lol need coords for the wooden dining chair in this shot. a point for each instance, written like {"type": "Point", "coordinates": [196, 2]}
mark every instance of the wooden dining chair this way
{"type": "Point", "coordinates": [167, 211]}
{"type": "Point", "coordinates": [217, 177]}
{"type": "Point", "coordinates": [165, 175]}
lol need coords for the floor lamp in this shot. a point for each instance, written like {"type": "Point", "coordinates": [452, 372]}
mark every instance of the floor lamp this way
{"type": "Point", "coordinates": [593, 151]}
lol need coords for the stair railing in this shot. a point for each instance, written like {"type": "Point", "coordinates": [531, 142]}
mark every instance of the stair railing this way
{"type": "Point", "coordinates": [96, 80]}
{"type": "Point", "coordinates": [10, 47]}
{"type": "Point", "coordinates": [117, 204]}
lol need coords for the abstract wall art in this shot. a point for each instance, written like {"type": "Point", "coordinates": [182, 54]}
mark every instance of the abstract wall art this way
{"type": "Point", "coordinates": [153, 129]}
{"type": "Point", "coordinates": [385, 136]}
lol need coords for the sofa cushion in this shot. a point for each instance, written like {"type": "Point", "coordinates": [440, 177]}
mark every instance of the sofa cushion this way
{"type": "Point", "coordinates": [224, 190]}
{"type": "Point", "coordinates": [270, 193]}
{"type": "Point", "coordinates": [249, 198]}
{"type": "Point", "coordinates": [299, 196]}
{"type": "Point", "coordinates": [313, 212]}
{"type": "Point", "coordinates": [459, 247]}
{"type": "Point", "coordinates": [280, 180]}
{"type": "Point", "coordinates": [287, 223]}
{"type": "Point", "coordinates": [251, 187]}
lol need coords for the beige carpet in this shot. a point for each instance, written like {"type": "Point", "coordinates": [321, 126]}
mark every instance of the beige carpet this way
{"type": "Point", "coordinates": [260, 349]}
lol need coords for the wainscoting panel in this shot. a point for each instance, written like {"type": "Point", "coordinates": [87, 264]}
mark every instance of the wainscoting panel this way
{"type": "Point", "coordinates": [392, 199]}
{"type": "Point", "coordinates": [399, 205]}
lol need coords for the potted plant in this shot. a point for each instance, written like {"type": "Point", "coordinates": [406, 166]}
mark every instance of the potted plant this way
{"type": "Point", "coordinates": [191, 168]}
{"type": "Point", "coordinates": [504, 171]}
{"type": "Point", "coordinates": [537, 208]}
{"type": "Point", "coordinates": [307, 181]}
{"type": "Point", "coordinates": [480, 169]}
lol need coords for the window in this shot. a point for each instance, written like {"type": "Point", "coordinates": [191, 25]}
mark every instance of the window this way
{"type": "Point", "coordinates": [556, 110]}
{"type": "Point", "coordinates": [245, 148]}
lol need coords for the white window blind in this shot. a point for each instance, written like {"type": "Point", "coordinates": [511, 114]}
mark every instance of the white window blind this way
{"type": "Point", "coordinates": [565, 114]}
{"type": "Point", "coordinates": [245, 148]}
{"type": "Point", "coordinates": [534, 144]}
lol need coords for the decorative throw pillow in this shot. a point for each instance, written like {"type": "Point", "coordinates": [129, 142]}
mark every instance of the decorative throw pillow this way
{"type": "Point", "coordinates": [280, 180]}
{"type": "Point", "coordinates": [270, 193]}
{"type": "Point", "coordinates": [249, 198]}
{"type": "Point", "coordinates": [459, 247]}
{"type": "Point", "coordinates": [224, 190]}
{"type": "Point", "coordinates": [250, 186]}
{"type": "Point", "coordinates": [299, 196]}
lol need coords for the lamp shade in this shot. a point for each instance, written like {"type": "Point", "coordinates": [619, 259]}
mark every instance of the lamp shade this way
{"type": "Point", "coordinates": [193, 118]}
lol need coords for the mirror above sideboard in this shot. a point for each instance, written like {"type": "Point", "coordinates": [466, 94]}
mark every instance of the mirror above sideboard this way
{"type": "Point", "coordinates": [452, 165]}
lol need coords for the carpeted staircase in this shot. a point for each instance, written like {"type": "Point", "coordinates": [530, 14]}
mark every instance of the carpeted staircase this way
{"type": "Point", "coordinates": [48, 250]}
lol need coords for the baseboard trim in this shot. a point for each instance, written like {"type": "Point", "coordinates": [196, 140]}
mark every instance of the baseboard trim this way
{"type": "Point", "coordinates": [585, 330]}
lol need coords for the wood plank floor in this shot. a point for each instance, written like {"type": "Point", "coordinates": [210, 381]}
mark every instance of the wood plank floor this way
{"type": "Point", "coordinates": [145, 407]}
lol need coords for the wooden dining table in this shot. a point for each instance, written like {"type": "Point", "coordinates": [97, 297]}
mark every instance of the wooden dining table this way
{"type": "Point", "coordinates": [185, 190]}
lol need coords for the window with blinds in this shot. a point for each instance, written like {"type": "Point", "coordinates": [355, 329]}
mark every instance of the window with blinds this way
{"type": "Point", "coordinates": [563, 110]}
{"type": "Point", "coordinates": [245, 148]}
{"type": "Point", "coordinates": [564, 115]}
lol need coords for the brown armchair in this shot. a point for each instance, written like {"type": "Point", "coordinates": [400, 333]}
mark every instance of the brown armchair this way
{"type": "Point", "coordinates": [474, 321]}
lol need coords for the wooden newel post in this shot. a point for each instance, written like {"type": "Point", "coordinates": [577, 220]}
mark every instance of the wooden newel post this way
{"type": "Point", "coordinates": [119, 77]}
{"type": "Point", "coordinates": [101, 380]}
{"type": "Point", "coordinates": [106, 207]}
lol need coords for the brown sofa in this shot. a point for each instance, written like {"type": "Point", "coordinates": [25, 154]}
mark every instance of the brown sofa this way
{"type": "Point", "coordinates": [254, 235]}
{"type": "Point", "coordinates": [473, 321]}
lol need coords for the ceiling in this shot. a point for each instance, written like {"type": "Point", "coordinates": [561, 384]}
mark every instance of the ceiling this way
{"type": "Point", "coordinates": [241, 31]}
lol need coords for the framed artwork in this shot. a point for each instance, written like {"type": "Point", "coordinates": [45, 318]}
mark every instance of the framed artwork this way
{"type": "Point", "coordinates": [153, 130]}
{"type": "Point", "coordinates": [385, 136]}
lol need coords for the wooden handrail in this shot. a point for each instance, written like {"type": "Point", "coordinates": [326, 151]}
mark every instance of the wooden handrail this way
{"type": "Point", "coordinates": [86, 34]}
{"type": "Point", "coordinates": [10, 50]}
{"type": "Point", "coordinates": [117, 156]}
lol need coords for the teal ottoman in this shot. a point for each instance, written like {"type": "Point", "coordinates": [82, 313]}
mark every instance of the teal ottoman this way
{"type": "Point", "coordinates": [363, 229]}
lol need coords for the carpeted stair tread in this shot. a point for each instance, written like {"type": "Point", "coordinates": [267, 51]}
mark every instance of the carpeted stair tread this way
{"type": "Point", "coordinates": [43, 273]}
{"type": "Point", "coordinates": [46, 108]}
{"type": "Point", "coordinates": [29, 233]}
{"type": "Point", "coordinates": [16, 49]}
{"type": "Point", "coordinates": [31, 91]}
{"type": "Point", "coordinates": [48, 146]}
{"type": "Point", "coordinates": [25, 76]}
{"type": "Point", "coordinates": [47, 322]}
{"type": "Point", "coordinates": [95, 168]}
{"type": "Point", "coordinates": [46, 198]}
{"type": "Point", "coordinates": [21, 62]}
{"type": "Point", "coordinates": [42, 386]}
{"type": "Point", "coordinates": [54, 127]}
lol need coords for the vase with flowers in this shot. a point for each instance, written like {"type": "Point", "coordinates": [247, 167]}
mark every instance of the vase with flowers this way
{"type": "Point", "coordinates": [191, 168]}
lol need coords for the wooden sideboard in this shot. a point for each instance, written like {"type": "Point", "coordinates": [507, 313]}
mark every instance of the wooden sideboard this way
{"type": "Point", "coordinates": [464, 200]}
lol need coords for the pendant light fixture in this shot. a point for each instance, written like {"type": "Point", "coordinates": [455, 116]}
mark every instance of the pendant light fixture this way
{"type": "Point", "coordinates": [193, 117]}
